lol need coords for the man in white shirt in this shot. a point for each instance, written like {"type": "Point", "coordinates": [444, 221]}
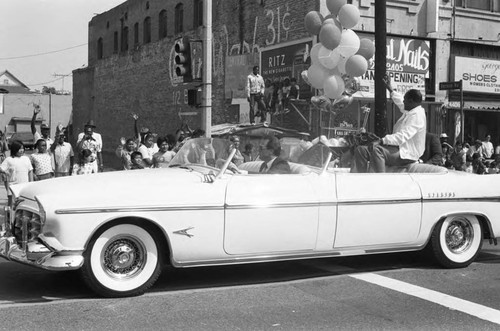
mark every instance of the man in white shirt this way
{"type": "Point", "coordinates": [88, 139]}
{"type": "Point", "coordinates": [407, 142]}
{"type": "Point", "coordinates": [44, 128]}
{"type": "Point", "coordinates": [255, 95]}
{"type": "Point", "coordinates": [487, 147]}
{"type": "Point", "coordinates": [63, 154]}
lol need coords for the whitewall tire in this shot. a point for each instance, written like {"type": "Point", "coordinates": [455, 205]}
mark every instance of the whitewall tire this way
{"type": "Point", "coordinates": [121, 260]}
{"type": "Point", "coordinates": [457, 240]}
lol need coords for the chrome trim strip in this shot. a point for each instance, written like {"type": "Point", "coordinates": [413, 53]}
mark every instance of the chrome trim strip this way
{"type": "Point", "coordinates": [134, 209]}
{"type": "Point", "coordinates": [271, 205]}
{"type": "Point", "coordinates": [304, 256]}
{"type": "Point", "coordinates": [479, 199]}
{"type": "Point", "coordinates": [379, 202]}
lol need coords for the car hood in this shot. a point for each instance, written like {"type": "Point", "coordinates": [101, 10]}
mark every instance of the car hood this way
{"type": "Point", "coordinates": [117, 188]}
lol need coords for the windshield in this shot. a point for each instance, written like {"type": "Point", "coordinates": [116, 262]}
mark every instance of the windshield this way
{"type": "Point", "coordinates": [202, 151]}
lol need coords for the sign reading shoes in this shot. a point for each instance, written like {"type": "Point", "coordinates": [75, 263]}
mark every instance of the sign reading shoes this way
{"type": "Point", "coordinates": [478, 75]}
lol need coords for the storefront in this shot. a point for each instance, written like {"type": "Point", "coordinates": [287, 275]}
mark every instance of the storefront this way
{"type": "Point", "coordinates": [481, 96]}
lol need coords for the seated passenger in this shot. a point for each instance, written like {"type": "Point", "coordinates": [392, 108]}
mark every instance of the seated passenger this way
{"type": "Point", "coordinates": [270, 149]}
{"type": "Point", "coordinates": [405, 145]}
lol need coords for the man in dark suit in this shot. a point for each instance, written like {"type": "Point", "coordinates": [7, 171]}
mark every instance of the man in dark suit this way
{"type": "Point", "coordinates": [270, 150]}
{"type": "Point", "coordinates": [433, 153]}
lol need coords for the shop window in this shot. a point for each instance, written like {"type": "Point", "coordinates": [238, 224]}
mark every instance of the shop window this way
{"type": "Point", "coordinates": [162, 24]}
{"type": "Point", "coordinates": [147, 30]}
{"type": "Point", "coordinates": [100, 48]}
{"type": "Point", "coordinates": [124, 39]}
{"type": "Point", "coordinates": [136, 34]}
{"type": "Point", "coordinates": [198, 13]}
{"type": "Point", "coordinates": [179, 17]}
{"type": "Point", "coordinates": [115, 42]}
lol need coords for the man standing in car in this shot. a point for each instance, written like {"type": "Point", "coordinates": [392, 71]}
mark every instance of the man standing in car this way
{"type": "Point", "coordinates": [255, 95]}
{"type": "Point", "coordinates": [405, 145]}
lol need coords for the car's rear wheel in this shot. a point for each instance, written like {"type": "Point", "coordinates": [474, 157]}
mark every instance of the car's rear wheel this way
{"type": "Point", "coordinates": [457, 240]}
{"type": "Point", "coordinates": [121, 260]}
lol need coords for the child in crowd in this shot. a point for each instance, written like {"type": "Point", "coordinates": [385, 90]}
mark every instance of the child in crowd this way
{"type": "Point", "coordinates": [162, 158]}
{"type": "Point", "coordinates": [124, 150]}
{"type": "Point", "coordinates": [137, 161]}
{"type": "Point", "coordinates": [85, 163]}
{"type": "Point", "coordinates": [16, 168]}
{"type": "Point", "coordinates": [294, 92]}
{"type": "Point", "coordinates": [42, 161]}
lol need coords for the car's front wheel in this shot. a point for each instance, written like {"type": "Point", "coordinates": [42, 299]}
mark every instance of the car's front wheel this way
{"type": "Point", "coordinates": [121, 260]}
{"type": "Point", "coordinates": [457, 240]}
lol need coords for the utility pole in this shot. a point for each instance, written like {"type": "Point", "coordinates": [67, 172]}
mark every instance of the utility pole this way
{"type": "Point", "coordinates": [380, 68]}
{"type": "Point", "coordinates": [206, 121]}
{"type": "Point", "coordinates": [62, 75]}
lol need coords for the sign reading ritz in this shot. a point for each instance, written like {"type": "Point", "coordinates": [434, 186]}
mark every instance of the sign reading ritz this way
{"type": "Point", "coordinates": [478, 75]}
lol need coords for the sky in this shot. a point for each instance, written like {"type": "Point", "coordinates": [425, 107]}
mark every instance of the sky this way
{"type": "Point", "coordinates": [31, 27]}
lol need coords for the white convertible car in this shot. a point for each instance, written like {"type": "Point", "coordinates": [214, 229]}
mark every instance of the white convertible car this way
{"type": "Point", "coordinates": [120, 228]}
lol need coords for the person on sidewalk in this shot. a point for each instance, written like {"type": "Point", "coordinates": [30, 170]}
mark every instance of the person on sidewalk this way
{"type": "Point", "coordinates": [63, 154]}
{"type": "Point", "coordinates": [88, 139]}
{"type": "Point", "coordinates": [255, 95]}
{"type": "Point", "coordinates": [405, 145]}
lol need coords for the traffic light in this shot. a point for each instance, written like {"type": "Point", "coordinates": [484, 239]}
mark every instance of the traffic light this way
{"type": "Point", "coordinates": [183, 59]}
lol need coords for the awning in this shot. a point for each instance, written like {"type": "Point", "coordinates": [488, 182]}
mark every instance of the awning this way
{"type": "Point", "coordinates": [476, 105]}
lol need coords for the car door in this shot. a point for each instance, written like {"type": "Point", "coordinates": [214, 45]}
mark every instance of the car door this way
{"type": "Point", "coordinates": [377, 210]}
{"type": "Point", "coordinates": [271, 213]}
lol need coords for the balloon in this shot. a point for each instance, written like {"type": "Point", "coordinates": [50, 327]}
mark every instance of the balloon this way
{"type": "Point", "coordinates": [335, 5]}
{"type": "Point", "coordinates": [313, 22]}
{"type": "Point", "coordinates": [366, 48]}
{"type": "Point", "coordinates": [333, 86]}
{"type": "Point", "coordinates": [352, 84]}
{"type": "Point", "coordinates": [356, 65]}
{"type": "Point", "coordinates": [316, 75]}
{"type": "Point", "coordinates": [305, 77]}
{"type": "Point", "coordinates": [328, 58]}
{"type": "Point", "coordinates": [314, 53]}
{"type": "Point", "coordinates": [330, 36]}
{"type": "Point", "coordinates": [349, 43]}
{"type": "Point", "coordinates": [349, 16]}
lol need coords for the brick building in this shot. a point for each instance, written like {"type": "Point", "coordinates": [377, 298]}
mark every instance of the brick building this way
{"type": "Point", "coordinates": [131, 60]}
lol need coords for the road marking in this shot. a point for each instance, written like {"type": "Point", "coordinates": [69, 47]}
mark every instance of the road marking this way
{"type": "Point", "coordinates": [474, 309]}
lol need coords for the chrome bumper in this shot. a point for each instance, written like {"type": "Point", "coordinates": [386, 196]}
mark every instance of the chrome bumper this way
{"type": "Point", "coordinates": [37, 255]}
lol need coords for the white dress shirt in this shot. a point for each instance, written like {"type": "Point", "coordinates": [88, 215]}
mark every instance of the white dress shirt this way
{"type": "Point", "coordinates": [255, 84]}
{"type": "Point", "coordinates": [409, 130]}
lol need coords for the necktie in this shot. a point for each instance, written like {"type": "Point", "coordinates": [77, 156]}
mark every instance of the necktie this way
{"type": "Point", "coordinates": [263, 167]}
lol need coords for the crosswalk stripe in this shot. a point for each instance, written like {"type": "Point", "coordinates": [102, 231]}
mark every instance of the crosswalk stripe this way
{"type": "Point", "coordinates": [471, 308]}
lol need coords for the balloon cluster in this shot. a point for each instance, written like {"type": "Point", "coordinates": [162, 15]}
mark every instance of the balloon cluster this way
{"type": "Point", "coordinates": [340, 56]}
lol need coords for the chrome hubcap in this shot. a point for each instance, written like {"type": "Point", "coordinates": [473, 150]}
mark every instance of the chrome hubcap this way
{"type": "Point", "coordinates": [459, 235]}
{"type": "Point", "coordinates": [123, 257]}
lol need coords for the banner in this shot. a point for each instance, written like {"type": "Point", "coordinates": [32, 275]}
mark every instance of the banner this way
{"type": "Point", "coordinates": [278, 63]}
{"type": "Point", "coordinates": [408, 63]}
{"type": "Point", "coordinates": [477, 75]}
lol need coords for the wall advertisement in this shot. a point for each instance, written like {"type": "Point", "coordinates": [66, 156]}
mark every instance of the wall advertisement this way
{"type": "Point", "coordinates": [477, 75]}
{"type": "Point", "coordinates": [408, 62]}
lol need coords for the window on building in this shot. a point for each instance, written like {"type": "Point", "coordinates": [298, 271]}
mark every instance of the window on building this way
{"type": "Point", "coordinates": [115, 42]}
{"type": "Point", "coordinates": [124, 39]}
{"type": "Point", "coordinates": [179, 17]}
{"type": "Point", "coordinates": [162, 24]}
{"type": "Point", "coordinates": [100, 49]}
{"type": "Point", "coordinates": [147, 30]}
{"type": "Point", "coordinates": [136, 34]}
{"type": "Point", "coordinates": [198, 13]}
{"type": "Point", "coordinates": [487, 5]}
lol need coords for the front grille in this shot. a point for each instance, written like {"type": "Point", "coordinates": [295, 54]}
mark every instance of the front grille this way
{"type": "Point", "coordinates": [32, 225]}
